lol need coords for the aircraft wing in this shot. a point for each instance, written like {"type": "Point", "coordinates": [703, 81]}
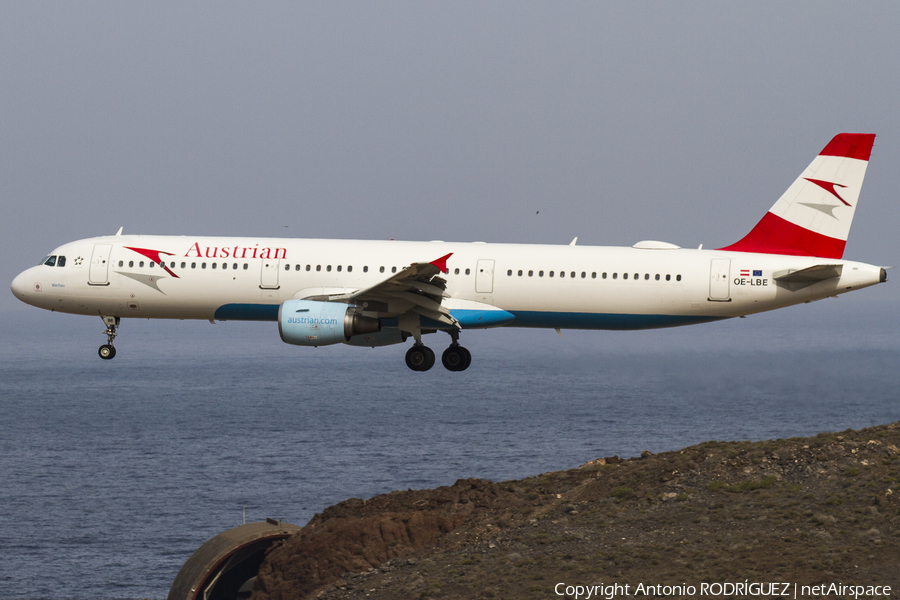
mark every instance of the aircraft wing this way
{"type": "Point", "coordinates": [418, 289]}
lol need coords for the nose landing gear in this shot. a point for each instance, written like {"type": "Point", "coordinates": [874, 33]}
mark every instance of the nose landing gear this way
{"type": "Point", "coordinates": [108, 351]}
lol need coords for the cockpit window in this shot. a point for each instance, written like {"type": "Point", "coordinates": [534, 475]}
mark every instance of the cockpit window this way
{"type": "Point", "coordinates": [50, 261]}
{"type": "Point", "coordinates": [61, 261]}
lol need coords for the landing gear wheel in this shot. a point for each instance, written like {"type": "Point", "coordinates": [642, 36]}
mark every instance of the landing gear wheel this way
{"type": "Point", "coordinates": [456, 358]}
{"type": "Point", "coordinates": [108, 351]}
{"type": "Point", "coordinates": [420, 358]}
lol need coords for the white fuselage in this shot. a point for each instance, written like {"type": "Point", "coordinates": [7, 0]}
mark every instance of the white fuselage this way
{"type": "Point", "coordinates": [579, 287]}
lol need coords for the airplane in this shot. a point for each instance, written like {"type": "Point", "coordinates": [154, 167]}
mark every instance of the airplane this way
{"type": "Point", "coordinates": [378, 293]}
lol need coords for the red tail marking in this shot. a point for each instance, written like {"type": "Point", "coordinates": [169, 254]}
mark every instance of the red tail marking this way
{"type": "Point", "coordinates": [828, 187]}
{"type": "Point", "coordinates": [850, 145]}
{"type": "Point", "coordinates": [441, 263]}
{"type": "Point", "coordinates": [774, 235]}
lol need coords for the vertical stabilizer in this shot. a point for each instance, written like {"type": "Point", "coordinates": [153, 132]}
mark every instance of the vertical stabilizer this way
{"type": "Point", "coordinates": [813, 217]}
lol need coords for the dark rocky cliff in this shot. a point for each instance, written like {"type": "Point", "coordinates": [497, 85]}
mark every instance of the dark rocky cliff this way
{"type": "Point", "coordinates": [824, 509]}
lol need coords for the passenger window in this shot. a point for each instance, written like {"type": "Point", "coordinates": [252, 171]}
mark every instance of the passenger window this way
{"type": "Point", "coordinates": [394, 269]}
{"type": "Point", "coordinates": [467, 271]}
{"type": "Point", "coordinates": [594, 275]}
{"type": "Point", "coordinates": [637, 276]}
{"type": "Point", "coordinates": [172, 265]}
{"type": "Point", "coordinates": [509, 273]}
{"type": "Point", "coordinates": [287, 267]}
{"type": "Point", "coordinates": [624, 276]}
{"type": "Point", "coordinates": [297, 268]}
{"type": "Point", "coordinates": [365, 269]}
{"type": "Point", "coordinates": [604, 275]}
{"type": "Point", "coordinates": [339, 268]}
{"type": "Point", "coordinates": [349, 268]}
{"type": "Point", "coordinates": [234, 266]}
{"type": "Point", "coordinates": [202, 265]}
{"type": "Point", "coordinates": [678, 278]}
{"type": "Point", "coordinates": [183, 265]}
{"type": "Point", "coordinates": [646, 276]}
{"type": "Point", "coordinates": [193, 265]}
{"type": "Point", "coordinates": [318, 267]}
{"type": "Point", "coordinates": [657, 276]}
{"type": "Point", "coordinates": [456, 272]}
{"type": "Point", "coordinates": [540, 273]}
{"type": "Point", "coordinates": [583, 274]}
{"type": "Point", "coordinates": [141, 264]}
{"type": "Point", "coordinates": [130, 263]}
{"type": "Point", "coordinates": [308, 267]}
{"type": "Point", "coordinates": [121, 263]}
{"type": "Point", "coordinates": [381, 270]}
{"type": "Point", "coordinates": [245, 266]}
{"type": "Point", "coordinates": [561, 274]}
{"type": "Point", "coordinates": [520, 272]}
{"type": "Point", "coordinates": [572, 274]}
{"type": "Point", "coordinates": [615, 275]}
{"type": "Point", "coordinates": [668, 277]}
{"type": "Point", "coordinates": [213, 265]}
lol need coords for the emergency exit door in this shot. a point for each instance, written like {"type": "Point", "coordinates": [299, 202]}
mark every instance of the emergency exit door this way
{"type": "Point", "coordinates": [484, 277]}
{"type": "Point", "coordinates": [720, 280]}
{"type": "Point", "coordinates": [99, 271]}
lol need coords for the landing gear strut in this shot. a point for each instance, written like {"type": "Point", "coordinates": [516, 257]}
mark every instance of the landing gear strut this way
{"type": "Point", "coordinates": [108, 351]}
{"type": "Point", "coordinates": [455, 358]}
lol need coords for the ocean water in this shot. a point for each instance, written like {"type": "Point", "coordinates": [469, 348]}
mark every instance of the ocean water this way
{"type": "Point", "coordinates": [113, 473]}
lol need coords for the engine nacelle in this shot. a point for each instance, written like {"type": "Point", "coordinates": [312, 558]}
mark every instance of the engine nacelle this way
{"type": "Point", "coordinates": [311, 323]}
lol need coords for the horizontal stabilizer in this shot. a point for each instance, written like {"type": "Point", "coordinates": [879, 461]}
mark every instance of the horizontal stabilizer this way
{"type": "Point", "coordinates": [809, 274]}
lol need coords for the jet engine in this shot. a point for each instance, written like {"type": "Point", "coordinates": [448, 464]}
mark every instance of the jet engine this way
{"type": "Point", "coordinates": [311, 323]}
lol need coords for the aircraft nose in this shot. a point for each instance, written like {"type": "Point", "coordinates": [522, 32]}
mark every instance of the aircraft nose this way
{"type": "Point", "coordinates": [19, 286]}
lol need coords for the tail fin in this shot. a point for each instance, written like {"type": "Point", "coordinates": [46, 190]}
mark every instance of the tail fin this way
{"type": "Point", "coordinates": [813, 217]}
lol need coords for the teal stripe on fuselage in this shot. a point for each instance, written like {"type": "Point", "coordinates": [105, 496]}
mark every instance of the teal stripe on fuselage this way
{"type": "Point", "coordinates": [247, 312]}
{"type": "Point", "coordinates": [476, 319]}
{"type": "Point", "coordinates": [565, 320]}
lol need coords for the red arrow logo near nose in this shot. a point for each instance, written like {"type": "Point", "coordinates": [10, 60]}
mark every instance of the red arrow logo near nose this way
{"type": "Point", "coordinates": [154, 256]}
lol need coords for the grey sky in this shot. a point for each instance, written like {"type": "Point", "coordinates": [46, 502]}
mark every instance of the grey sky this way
{"type": "Point", "coordinates": [458, 121]}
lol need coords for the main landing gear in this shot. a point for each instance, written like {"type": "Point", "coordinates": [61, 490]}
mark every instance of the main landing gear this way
{"type": "Point", "coordinates": [108, 351]}
{"type": "Point", "coordinates": [455, 358]}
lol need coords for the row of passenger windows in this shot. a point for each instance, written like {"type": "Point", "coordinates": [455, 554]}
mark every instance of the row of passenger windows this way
{"type": "Point", "coordinates": [287, 267]}
{"type": "Point", "coordinates": [339, 268]}
{"type": "Point", "coordinates": [152, 264]}
{"type": "Point", "coordinates": [61, 261]}
{"type": "Point", "coordinates": [604, 275]}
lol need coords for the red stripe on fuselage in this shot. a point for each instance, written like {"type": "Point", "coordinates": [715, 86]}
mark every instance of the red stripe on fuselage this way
{"type": "Point", "coordinates": [774, 235]}
{"type": "Point", "coordinates": [850, 145]}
